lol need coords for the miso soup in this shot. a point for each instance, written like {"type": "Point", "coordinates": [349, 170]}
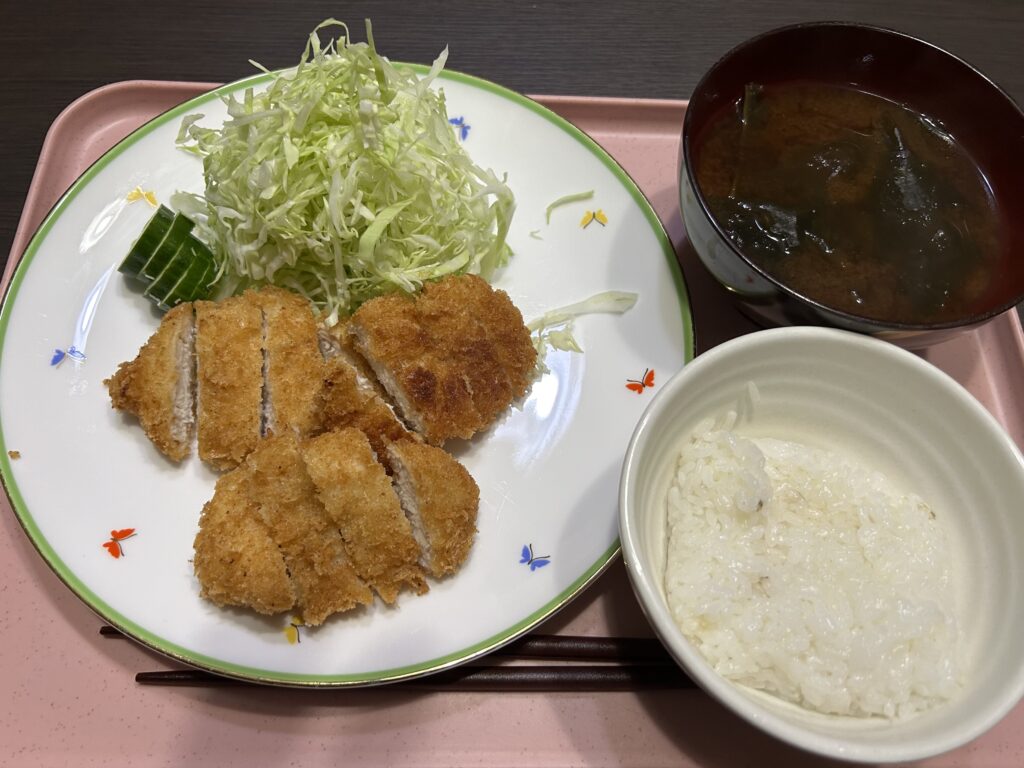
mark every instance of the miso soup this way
{"type": "Point", "coordinates": [852, 200]}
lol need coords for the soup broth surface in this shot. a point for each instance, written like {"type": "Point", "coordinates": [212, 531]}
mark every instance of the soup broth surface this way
{"type": "Point", "coordinates": [852, 200]}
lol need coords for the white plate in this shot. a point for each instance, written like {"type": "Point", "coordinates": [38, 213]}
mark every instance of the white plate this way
{"type": "Point", "coordinates": [548, 472]}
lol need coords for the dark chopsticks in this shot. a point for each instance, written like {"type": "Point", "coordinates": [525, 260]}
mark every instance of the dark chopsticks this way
{"type": "Point", "coordinates": [623, 664]}
{"type": "Point", "coordinates": [579, 648]}
{"type": "Point", "coordinates": [524, 679]}
{"type": "Point", "coordinates": [567, 647]}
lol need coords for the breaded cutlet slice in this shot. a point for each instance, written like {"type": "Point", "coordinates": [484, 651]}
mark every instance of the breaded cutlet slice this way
{"type": "Point", "coordinates": [497, 315]}
{"type": "Point", "coordinates": [338, 342]}
{"type": "Point", "coordinates": [431, 392]}
{"type": "Point", "coordinates": [436, 389]}
{"type": "Point", "coordinates": [158, 385]}
{"type": "Point", "coordinates": [236, 560]}
{"type": "Point", "coordinates": [293, 365]}
{"type": "Point", "coordinates": [462, 339]}
{"type": "Point", "coordinates": [441, 500]}
{"type": "Point", "coordinates": [392, 324]}
{"type": "Point", "coordinates": [356, 492]}
{"type": "Point", "coordinates": [314, 552]}
{"type": "Point", "coordinates": [453, 358]}
{"type": "Point", "coordinates": [229, 376]}
{"type": "Point", "coordinates": [348, 399]}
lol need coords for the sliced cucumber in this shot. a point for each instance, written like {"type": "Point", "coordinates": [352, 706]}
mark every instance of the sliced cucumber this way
{"type": "Point", "coordinates": [192, 283]}
{"type": "Point", "coordinates": [174, 265]}
{"type": "Point", "coordinates": [176, 235]}
{"type": "Point", "coordinates": [143, 248]}
{"type": "Point", "coordinates": [171, 273]}
{"type": "Point", "coordinates": [198, 284]}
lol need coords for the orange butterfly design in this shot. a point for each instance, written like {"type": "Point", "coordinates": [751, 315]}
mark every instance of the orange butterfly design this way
{"type": "Point", "coordinates": [639, 385]}
{"type": "Point", "coordinates": [116, 537]}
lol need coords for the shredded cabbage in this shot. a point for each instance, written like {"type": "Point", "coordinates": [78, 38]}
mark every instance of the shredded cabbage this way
{"type": "Point", "coordinates": [344, 180]}
{"type": "Point", "coordinates": [609, 302]}
{"type": "Point", "coordinates": [565, 200]}
{"type": "Point", "coordinates": [554, 327]}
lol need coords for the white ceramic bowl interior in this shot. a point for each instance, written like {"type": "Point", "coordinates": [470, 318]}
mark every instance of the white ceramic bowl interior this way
{"type": "Point", "coordinates": [900, 415]}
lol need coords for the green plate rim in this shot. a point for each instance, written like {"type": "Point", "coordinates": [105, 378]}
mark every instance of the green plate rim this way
{"type": "Point", "coordinates": [219, 666]}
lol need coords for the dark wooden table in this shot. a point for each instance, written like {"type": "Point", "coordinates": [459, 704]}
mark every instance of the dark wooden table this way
{"type": "Point", "coordinates": [53, 52]}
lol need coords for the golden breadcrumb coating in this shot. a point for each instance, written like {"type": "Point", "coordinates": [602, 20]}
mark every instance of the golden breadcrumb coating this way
{"type": "Point", "coordinates": [315, 554]}
{"type": "Point", "coordinates": [392, 326]}
{"type": "Point", "coordinates": [441, 500]}
{"type": "Point", "coordinates": [439, 392]}
{"type": "Point", "coordinates": [349, 400]}
{"type": "Point", "coordinates": [432, 393]}
{"type": "Point", "coordinates": [357, 494]}
{"type": "Point", "coordinates": [344, 345]}
{"type": "Point", "coordinates": [293, 363]}
{"type": "Point", "coordinates": [314, 524]}
{"type": "Point", "coordinates": [229, 391]}
{"type": "Point", "coordinates": [157, 385]}
{"type": "Point", "coordinates": [454, 328]}
{"type": "Point", "coordinates": [453, 358]}
{"type": "Point", "coordinates": [236, 560]}
{"type": "Point", "coordinates": [500, 319]}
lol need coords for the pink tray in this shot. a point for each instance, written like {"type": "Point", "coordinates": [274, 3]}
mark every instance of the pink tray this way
{"type": "Point", "coordinates": [71, 697]}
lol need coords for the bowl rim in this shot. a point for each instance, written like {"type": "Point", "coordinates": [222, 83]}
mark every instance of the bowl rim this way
{"type": "Point", "coordinates": [683, 651]}
{"type": "Point", "coordinates": [687, 169]}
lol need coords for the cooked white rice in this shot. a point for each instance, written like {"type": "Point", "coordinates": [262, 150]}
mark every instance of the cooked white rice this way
{"type": "Point", "coordinates": [798, 572]}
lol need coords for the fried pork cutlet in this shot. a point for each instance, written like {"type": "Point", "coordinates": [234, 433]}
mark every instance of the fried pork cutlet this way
{"type": "Point", "coordinates": [453, 359]}
{"type": "Point", "coordinates": [157, 385]}
{"type": "Point", "coordinates": [236, 559]}
{"type": "Point", "coordinates": [432, 393]}
{"type": "Point", "coordinates": [348, 399]}
{"type": "Point", "coordinates": [440, 498]}
{"type": "Point", "coordinates": [229, 390]}
{"type": "Point", "coordinates": [294, 367]}
{"type": "Point", "coordinates": [471, 298]}
{"type": "Point", "coordinates": [468, 349]}
{"type": "Point", "coordinates": [357, 494]}
{"type": "Point", "coordinates": [286, 500]}
{"type": "Point", "coordinates": [339, 342]}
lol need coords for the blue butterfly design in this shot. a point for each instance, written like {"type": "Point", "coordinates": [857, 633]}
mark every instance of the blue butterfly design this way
{"type": "Point", "coordinates": [460, 123]}
{"type": "Point", "coordinates": [59, 355]}
{"type": "Point", "coordinates": [534, 561]}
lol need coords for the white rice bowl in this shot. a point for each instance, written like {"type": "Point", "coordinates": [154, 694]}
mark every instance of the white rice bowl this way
{"type": "Point", "coordinates": [890, 412]}
{"type": "Point", "coordinates": [800, 573]}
